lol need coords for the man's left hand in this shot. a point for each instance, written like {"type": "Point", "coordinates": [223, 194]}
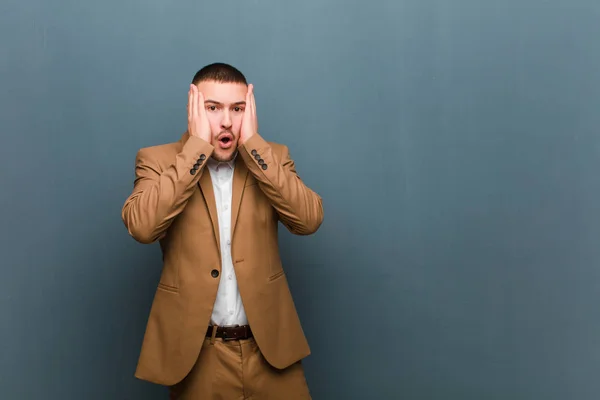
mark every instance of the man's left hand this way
{"type": "Point", "coordinates": [249, 121]}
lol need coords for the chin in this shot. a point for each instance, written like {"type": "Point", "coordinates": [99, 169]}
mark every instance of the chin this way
{"type": "Point", "coordinates": [223, 156]}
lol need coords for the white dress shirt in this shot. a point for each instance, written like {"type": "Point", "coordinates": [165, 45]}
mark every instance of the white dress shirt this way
{"type": "Point", "coordinates": [228, 308]}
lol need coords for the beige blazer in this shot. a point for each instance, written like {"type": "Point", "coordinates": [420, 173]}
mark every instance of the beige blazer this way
{"type": "Point", "coordinates": [173, 202]}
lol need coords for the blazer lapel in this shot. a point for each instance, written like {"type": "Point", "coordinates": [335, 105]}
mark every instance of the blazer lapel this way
{"type": "Point", "coordinates": [209, 197]}
{"type": "Point", "coordinates": [240, 173]}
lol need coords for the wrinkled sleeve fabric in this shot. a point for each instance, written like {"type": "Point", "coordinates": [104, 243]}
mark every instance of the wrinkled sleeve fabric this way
{"type": "Point", "coordinates": [160, 194]}
{"type": "Point", "coordinates": [300, 209]}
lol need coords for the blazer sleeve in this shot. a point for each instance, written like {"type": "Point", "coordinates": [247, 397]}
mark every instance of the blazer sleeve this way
{"type": "Point", "coordinates": [299, 208]}
{"type": "Point", "coordinates": [159, 195]}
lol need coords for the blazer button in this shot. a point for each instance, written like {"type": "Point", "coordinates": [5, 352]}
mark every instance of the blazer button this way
{"type": "Point", "coordinates": [257, 156]}
{"type": "Point", "coordinates": [214, 273]}
{"type": "Point", "coordinates": [202, 157]}
{"type": "Point", "coordinates": [253, 152]}
{"type": "Point", "coordinates": [264, 166]}
{"type": "Point", "coordinates": [193, 171]}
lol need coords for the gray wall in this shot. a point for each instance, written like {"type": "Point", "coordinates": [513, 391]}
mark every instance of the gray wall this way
{"type": "Point", "coordinates": [455, 145]}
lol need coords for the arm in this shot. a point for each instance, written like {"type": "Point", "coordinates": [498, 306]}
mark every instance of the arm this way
{"type": "Point", "coordinates": [159, 196]}
{"type": "Point", "coordinates": [299, 208]}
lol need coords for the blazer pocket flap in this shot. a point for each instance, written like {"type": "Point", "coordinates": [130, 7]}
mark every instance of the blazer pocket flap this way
{"type": "Point", "coordinates": [167, 288]}
{"type": "Point", "coordinates": [277, 275]}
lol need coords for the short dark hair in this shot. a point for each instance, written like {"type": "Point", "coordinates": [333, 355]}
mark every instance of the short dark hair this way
{"type": "Point", "coordinates": [219, 72]}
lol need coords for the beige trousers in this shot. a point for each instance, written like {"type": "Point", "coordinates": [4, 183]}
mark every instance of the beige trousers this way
{"type": "Point", "coordinates": [236, 370]}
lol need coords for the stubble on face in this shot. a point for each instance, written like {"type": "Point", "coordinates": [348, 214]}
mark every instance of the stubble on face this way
{"type": "Point", "coordinates": [225, 103]}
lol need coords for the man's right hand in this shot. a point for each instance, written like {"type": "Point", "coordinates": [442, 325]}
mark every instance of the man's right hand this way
{"type": "Point", "coordinates": [198, 124]}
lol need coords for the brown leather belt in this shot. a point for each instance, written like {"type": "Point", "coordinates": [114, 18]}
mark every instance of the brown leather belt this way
{"type": "Point", "coordinates": [230, 332]}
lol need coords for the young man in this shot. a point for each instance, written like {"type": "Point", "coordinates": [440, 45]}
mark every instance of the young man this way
{"type": "Point", "coordinates": [223, 323]}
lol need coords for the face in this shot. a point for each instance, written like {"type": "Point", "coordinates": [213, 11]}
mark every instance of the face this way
{"type": "Point", "coordinates": [225, 104]}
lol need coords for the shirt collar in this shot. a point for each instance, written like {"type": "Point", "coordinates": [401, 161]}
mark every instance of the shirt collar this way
{"type": "Point", "coordinates": [214, 163]}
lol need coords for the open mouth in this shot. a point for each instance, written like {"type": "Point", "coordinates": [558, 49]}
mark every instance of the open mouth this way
{"type": "Point", "coordinates": [226, 140]}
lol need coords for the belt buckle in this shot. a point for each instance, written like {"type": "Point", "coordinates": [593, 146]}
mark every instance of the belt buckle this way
{"type": "Point", "coordinates": [228, 338]}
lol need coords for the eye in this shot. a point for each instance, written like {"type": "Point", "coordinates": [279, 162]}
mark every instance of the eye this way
{"type": "Point", "coordinates": [237, 109]}
{"type": "Point", "coordinates": [212, 108]}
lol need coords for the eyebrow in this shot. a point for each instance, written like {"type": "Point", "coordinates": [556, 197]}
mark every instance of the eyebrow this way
{"type": "Point", "coordinates": [237, 103]}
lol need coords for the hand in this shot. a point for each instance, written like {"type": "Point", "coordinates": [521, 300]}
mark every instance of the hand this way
{"type": "Point", "coordinates": [198, 124]}
{"type": "Point", "coordinates": [249, 121]}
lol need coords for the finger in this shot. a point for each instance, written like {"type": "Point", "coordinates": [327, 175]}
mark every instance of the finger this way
{"type": "Point", "coordinates": [255, 117]}
{"type": "Point", "coordinates": [248, 95]}
{"type": "Point", "coordinates": [189, 108]}
{"type": "Point", "coordinates": [199, 103]}
{"type": "Point", "coordinates": [254, 109]}
{"type": "Point", "coordinates": [194, 104]}
{"type": "Point", "coordinates": [248, 109]}
{"type": "Point", "coordinates": [201, 108]}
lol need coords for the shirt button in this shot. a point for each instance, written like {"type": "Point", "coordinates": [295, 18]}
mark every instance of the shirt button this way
{"type": "Point", "coordinates": [229, 242]}
{"type": "Point", "coordinates": [230, 312]}
{"type": "Point", "coordinates": [229, 276]}
{"type": "Point", "coordinates": [226, 206]}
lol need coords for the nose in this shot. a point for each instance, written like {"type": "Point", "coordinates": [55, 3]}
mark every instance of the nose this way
{"type": "Point", "coordinates": [226, 121]}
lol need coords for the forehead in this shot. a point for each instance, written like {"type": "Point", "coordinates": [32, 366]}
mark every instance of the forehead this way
{"type": "Point", "coordinates": [226, 93]}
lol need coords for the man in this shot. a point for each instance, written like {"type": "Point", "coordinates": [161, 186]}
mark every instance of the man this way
{"type": "Point", "coordinates": [223, 324]}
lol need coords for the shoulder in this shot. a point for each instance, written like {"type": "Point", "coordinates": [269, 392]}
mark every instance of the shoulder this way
{"type": "Point", "coordinates": [159, 154]}
{"type": "Point", "coordinates": [259, 144]}
{"type": "Point", "coordinates": [160, 150]}
{"type": "Point", "coordinates": [278, 148]}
